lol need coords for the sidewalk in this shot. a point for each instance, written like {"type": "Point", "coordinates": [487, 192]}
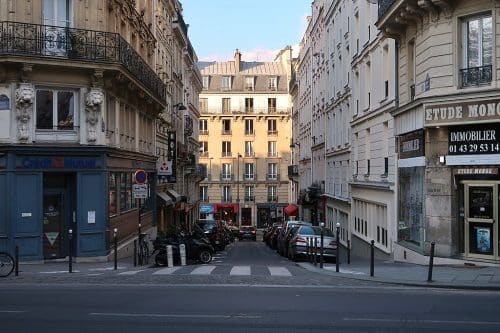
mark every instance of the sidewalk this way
{"type": "Point", "coordinates": [443, 276]}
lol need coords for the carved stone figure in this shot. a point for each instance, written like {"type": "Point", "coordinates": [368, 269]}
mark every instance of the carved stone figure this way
{"type": "Point", "coordinates": [93, 102]}
{"type": "Point", "coordinates": [24, 109]}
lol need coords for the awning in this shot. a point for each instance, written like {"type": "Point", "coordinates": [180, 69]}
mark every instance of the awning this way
{"type": "Point", "coordinates": [219, 207]}
{"type": "Point", "coordinates": [168, 201]}
{"type": "Point", "coordinates": [291, 210]}
{"type": "Point", "coordinates": [176, 196]}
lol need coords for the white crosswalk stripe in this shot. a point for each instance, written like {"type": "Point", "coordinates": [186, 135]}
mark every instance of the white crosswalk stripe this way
{"type": "Point", "coordinates": [167, 271]}
{"type": "Point", "coordinates": [279, 271]}
{"type": "Point", "coordinates": [240, 270]}
{"type": "Point", "coordinates": [131, 272]}
{"type": "Point", "coordinates": [203, 270]}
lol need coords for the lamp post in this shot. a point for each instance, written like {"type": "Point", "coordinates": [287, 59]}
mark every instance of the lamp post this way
{"type": "Point", "coordinates": [238, 189]}
{"type": "Point", "coordinates": [337, 255]}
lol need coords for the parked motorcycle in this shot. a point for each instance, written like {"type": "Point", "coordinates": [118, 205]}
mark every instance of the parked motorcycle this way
{"type": "Point", "coordinates": [198, 248]}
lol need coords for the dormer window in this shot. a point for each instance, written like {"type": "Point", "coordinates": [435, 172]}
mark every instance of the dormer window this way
{"type": "Point", "coordinates": [271, 83]}
{"type": "Point", "coordinates": [206, 82]}
{"type": "Point", "coordinates": [249, 83]}
{"type": "Point", "coordinates": [226, 83]}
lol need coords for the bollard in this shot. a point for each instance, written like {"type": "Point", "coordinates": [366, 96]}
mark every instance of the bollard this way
{"type": "Point", "coordinates": [309, 241]}
{"type": "Point", "coordinates": [337, 252]}
{"type": "Point", "coordinates": [170, 256]}
{"type": "Point", "coordinates": [372, 257]}
{"type": "Point", "coordinates": [431, 262]}
{"type": "Point", "coordinates": [70, 231]}
{"type": "Point", "coordinates": [348, 252]}
{"type": "Point", "coordinates": [182, 251]}
{"type": "Point", "coordinates": [322, 250]}
{"type": "Point", "coordinates": [135, 252]}
{"type": "Point", "coordinates": [315, 251]}
{"type": "Point", "coordinates": [17, 260]}
{"type": "Point", "coordinates": [115, 242]}
{"type": "Point", "coordinates": [307, 247]}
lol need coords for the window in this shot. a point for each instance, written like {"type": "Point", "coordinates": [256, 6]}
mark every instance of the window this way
{"type": "Point", "coordinates": [249, 193]}
{"type": "Point", "coordinates": [204, 148]}
{"type": "Point", "coordinates": [271, 105]}
{"type": "Point", "coordinates": [226, 83]}
{"type": "Point", "coordinates": [226, 171]}
{"type": "Point", "coordinates": [203, 126]}
{"type": "Point", "coordinates": [249, 83]}
{"type": "Point", "coordinates": [113, 198]}
{"type": "Point", "coordinates": [124, 182]}
{"type": "Point", "coordinates": [226, 105]}
{"type": "Point", "coordinates": [411, 69]}
{"type": "Point", "coordinates": [226, 126]}
{"type": "Point", "coordinates": [204, 193]}
{"type": "Point", "coordinates": [249, 105]}
{"type": "Point", "coordinates": [272, 171]}
{"type": "Point", "coordinates": [272, 194]}
{"type": "Point", "coordinates": [55, 110]}
{"type": "Point", "coordinates": [249, 149]}
{"type": "Point", "coordinates": [226, 194]}
{"type": "Point", "coordinates": [249, 171]}
{"type": "Point", "coordinates": [249, 127]}
{"type": "Point", "coordinates": [272, 127]}
{"type": "Point", "coordinates": [271, 149]}
{"type": "Point", "coordinates": [271, 83]}
{"type": "Point", "coordinates": [57, 13]}
{"type": "Point", "coordinates": [206, 82]}
{"type": "Point", "coordinates": [226, 148]}
{"type": "Point", "coordinates": [204, 105]}
{"type": "Point", "coordinates": [477, 46]}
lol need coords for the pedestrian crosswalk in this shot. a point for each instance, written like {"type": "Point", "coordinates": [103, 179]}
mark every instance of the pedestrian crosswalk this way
{"type": "Point", "coordinates": [200, 270]}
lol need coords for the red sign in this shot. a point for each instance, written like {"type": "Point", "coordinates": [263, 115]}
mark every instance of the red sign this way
{"type": "Point", "coordinates": [140, 177]}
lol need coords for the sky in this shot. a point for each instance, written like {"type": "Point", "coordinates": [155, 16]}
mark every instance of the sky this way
{"type": "Point", "coordinates": [258, 28]}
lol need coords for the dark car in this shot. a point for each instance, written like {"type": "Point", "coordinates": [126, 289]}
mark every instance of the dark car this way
{"type": "Point", "coordinates": [248, 233]}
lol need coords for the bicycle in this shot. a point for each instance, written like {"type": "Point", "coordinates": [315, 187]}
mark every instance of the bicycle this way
{"type": "Point", "coordinates": [144, 252]}
{"type": "Point", "coordinates": [6, 264]}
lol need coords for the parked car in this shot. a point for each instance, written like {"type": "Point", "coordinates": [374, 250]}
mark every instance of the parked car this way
{"type": "Point", "coordinates": [248, 232]}
{"type": "Point", "coordinates": [298, 245]}
{"type": "Point", "coordinates": [213, 231]}
{"type": "Point", "coordinates": [281, 240]}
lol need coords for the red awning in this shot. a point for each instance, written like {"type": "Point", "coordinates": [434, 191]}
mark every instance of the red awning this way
{"type": "Point", "coordinates": [218, 207]}
{"type": "Point", "coordinates": [291, 210]}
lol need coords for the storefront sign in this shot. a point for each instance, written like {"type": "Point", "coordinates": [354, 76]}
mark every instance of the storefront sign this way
{"type": "Point", "coordinates": [172, 156]}
{"type": "Point", "coordinates": [58, 162]}
{"type": "Point", "coordinates": [462, 112]}
{"type": "Point", "coordinates": [475, 171]}
{"type": "Point", "coordinates": [207, 209]}
{"type": "Point", "coordinates": [483, 240]}
{"type": "Point", "coordinates": [411, 145]}
{"type": "Point", "coordinates": [477, 139]}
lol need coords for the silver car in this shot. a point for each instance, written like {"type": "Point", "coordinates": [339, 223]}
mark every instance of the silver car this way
{"type": "Point", "coordinates": [299, 245]}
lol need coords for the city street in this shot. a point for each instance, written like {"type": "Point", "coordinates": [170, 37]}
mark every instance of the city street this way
{"type": "Point", "coordinates": [248, 287]}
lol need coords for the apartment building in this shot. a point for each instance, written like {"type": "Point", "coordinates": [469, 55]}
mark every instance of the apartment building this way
{"type": "Point", "coordinates": [81, 92]}
{"type": "Point", "coordinates": [446, 125]}
{"type": "Point", "coordinates": [245, 132]}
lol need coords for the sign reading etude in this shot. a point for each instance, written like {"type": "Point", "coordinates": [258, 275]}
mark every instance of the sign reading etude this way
{"type": "Point", "coordinates": [477, 139]}
{"type": "Point", "coordinates": [470, 111]}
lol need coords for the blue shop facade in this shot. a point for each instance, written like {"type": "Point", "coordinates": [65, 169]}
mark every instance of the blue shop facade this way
{"type": "Point", "coordinates": [45, 192]}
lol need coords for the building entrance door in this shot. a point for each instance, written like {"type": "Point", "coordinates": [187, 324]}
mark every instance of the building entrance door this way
{"type": "Point", "coordinates": [53, 224]}
{"type": "Point", "coordinates": [481, 219]}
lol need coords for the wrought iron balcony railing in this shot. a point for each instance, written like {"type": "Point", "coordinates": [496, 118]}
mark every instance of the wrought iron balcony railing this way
{"type": "Point", "coordinates": [293, 170]}
{"type": "Point", "coordinates": [35, 40]}
{"type": "Point", "coordinates": [475, 76]}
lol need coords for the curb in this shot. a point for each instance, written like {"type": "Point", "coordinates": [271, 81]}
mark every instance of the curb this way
{"type": "Point", "coordinates": [434, 284]}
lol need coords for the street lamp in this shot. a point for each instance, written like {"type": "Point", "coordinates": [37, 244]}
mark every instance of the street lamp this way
{"type": "Point", "coordinates": [179, 106]}
{"type": "Point", "coordinates": [238, 189]}
{"type": "Point", "coordinates": [337, 256]}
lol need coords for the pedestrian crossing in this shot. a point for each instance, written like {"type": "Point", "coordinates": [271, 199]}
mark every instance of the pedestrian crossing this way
{"type": "Point", "coordinates": [204, 270]}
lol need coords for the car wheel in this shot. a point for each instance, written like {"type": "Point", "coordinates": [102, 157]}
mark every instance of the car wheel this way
{"type": "Point", "coordinates": [205, 256]}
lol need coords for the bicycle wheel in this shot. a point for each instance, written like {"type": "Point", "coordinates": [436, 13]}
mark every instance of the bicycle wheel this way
{"type": "Point", "coordinates": [6, 264]}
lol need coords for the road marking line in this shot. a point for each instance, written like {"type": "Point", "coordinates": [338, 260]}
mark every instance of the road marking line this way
{"type": "Point", "coordinates": [203, 270]}
{"type": "Point", "coordinates": [167, 271]}
{"type": "Point", "coordinates": [57, 272]}
{"type": "Point", "coordinates": [425, 321]}
{"type": "Point", "coordinates": [279, 271]}
{"type": "Point", "coordinates": [240, 270]}
{"type": "Point", "coordinates": [158, 315]}
{"type": "Point", "coordinates": [12, 311]}
{"type": "Point", "coordinates": [131, 272]}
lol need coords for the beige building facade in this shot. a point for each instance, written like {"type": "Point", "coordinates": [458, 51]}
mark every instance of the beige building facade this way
{"type": "Point", "coordinates": [244, 133]}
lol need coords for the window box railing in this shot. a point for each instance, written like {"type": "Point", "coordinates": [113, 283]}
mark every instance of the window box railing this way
{"type": "Point", "coordinates": [249, 132]}
{"type": "Point", "coordinates": [35, 40]}
{"type": "Point", "coordinates": [226, 176]}
{"type": "Point", "coordinates": [272, 198]}
{"type": "Point", "coordinates": [476, 76]}
{"type": "Point", "coordinates": [249, 154]}
{"type": "Point", "coordinates": [272, 154]}
{"type": "Point", "coordinates": [293, 170]}
{"type": "Point", "coordinates": [249, 198]}
{"type": "Point", "coordinates": [226, 199]}
{"type": "Point", "coordinates": [272, 132]}
{"type": "Point", "coordinates": [249, 176]}
{"type": "Point", "coordinates": [203, 132]}
{"type": "Point", "coordinates": [226, 132]}
{"type": "Point", "coordinates": [226, 154]}
{"type": "Point", "coordinates": [273, 176]}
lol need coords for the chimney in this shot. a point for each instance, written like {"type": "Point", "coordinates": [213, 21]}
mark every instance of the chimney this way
{"type": "Point", "coordinates": [237, 60]}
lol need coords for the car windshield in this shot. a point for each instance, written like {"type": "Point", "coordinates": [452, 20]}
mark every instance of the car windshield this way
{"type": "Point", "coordinates": [306, 230]}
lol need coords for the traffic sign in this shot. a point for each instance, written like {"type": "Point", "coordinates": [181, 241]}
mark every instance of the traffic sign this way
{"type": "Point", "coordinates": [140, 177]}
{"type": "Point", "coordinates": [140, 191]}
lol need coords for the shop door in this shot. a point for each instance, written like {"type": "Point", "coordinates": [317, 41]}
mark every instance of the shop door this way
{"type": "Point", "coordinates": [481, 210]}
{"type": "Point", "coordinates": [53, 224]}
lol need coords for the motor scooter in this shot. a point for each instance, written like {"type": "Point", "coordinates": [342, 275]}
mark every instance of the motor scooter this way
{"type": "Point", "coordinates": [198, 248]}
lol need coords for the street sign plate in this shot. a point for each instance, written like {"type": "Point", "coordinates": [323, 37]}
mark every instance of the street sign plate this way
{"type": "Point", "coordinates": [139, 191]}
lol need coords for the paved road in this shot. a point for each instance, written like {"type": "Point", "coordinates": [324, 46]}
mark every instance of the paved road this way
{"type": "Point", "coordinates": [224, 308]}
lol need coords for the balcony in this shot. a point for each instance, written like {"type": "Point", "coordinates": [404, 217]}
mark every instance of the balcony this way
{"type": "Point", "coordinates": [293, 171]}
{"type": "Point", "coordinates": [475, 76]}
{"type": "Point", "coordinates": [34, 40]}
